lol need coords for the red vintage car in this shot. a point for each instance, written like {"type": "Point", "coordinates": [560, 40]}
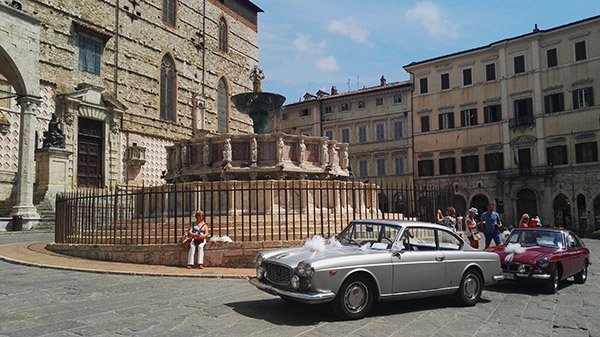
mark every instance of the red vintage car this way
{"type": "Point", "coordinates": [546, 255]}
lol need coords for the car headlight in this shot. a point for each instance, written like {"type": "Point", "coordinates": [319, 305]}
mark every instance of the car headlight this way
{"type": "Point", "coordinates": [543, 262]}
{"type": "Point", "coordinates": [295, 282]}
{"type": "Point", "coordinates": [258, 259]}
{"type": "Point", "coordinates": [305, 269]}
{"type": "Point", "coordinates": [260, 272]}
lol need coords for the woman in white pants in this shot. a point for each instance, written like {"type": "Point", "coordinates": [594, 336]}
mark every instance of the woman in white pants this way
{"type": "Point", "coordinates": [199, 231]}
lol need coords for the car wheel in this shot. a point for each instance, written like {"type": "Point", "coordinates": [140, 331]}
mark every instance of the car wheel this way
{"type": "Point", "coordinates": [354, 299]}
{"type": "Point", "coordinates": [551, 286]}
{"type": "Point", "coordinates": [581, 277]}
{"type": "Point", "coordinates": [471, 287]}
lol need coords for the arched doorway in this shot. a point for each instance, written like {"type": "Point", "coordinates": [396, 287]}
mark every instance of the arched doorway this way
{"type": "Point", "coordinates": [383, 202]}
{"type": "Point", "coordinates": [480, 202]}
{"type": "Point", "coordinates": [526, 203]}
{"type": "Point", "coordinates": [562, 211]}
{"type": "Point", "coordinates": [460, 204]}
{"type": "Point", "coordinates": [597, 212]}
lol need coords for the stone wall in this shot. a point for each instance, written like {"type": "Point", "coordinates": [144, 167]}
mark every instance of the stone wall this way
{"type": "Point", "coordinates": [216, 254]}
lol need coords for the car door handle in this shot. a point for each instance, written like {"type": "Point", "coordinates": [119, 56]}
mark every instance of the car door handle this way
{"type": "Point", "coordinates": [439, 258]}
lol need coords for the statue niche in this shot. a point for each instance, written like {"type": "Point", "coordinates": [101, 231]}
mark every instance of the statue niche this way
{"type": "Point", "coordinates": [54, 137]}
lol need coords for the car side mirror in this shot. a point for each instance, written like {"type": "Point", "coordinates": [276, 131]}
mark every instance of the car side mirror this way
{"type": "Point", "coordinates": [397, 251]}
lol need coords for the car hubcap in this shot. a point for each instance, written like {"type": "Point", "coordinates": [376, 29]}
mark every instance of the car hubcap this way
{"type": "Point", "coordinates": [355, 297]}
{"type": "Point", "coordinates": [471, 287]}
{"type": "Point", "coordinates": [584, 273]}
{"type": "Point", "coordinates": [555, 281]}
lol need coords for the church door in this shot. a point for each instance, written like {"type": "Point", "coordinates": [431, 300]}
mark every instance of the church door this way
{"type": "Point", "coordinates": [90, 153]}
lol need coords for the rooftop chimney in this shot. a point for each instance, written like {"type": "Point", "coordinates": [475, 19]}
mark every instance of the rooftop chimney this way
{"type": "Point", "coordinates": [334, 90]}
{"type": "Point", "coordinates": [535, 28]}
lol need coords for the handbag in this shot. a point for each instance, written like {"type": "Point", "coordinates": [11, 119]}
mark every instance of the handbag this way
{"type": "Point", "coordinates": [185, 241]}
{"type": "Point", "coordinates": [476, 236]}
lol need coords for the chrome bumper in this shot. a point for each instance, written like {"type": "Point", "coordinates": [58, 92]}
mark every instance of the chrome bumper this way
{"type": "Point", "coordinates": [301, 297]}
{"type": "Point", "coordinates": [498, 278]}
{"type": "Point", "coordinates": [526, 276]}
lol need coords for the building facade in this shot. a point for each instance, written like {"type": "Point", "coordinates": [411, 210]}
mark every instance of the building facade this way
{"type": "Point", "coordinates": [374, 122]}
{"type": "Point", "coordinates": [515, 123]}
{"type": "Point", "coordinates": [125, 79]}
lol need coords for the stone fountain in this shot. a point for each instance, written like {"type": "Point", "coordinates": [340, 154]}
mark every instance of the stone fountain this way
{"type": "Point", "coordinates": [257, 156]}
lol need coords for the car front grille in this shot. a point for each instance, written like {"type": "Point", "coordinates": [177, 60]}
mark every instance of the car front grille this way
{"type": "Point", "coordinates": [515, 267]}
{"type": "Point", "coordinates": [277, 273]}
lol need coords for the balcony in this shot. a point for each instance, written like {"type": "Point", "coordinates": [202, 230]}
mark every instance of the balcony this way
{"type": "Point", "coordinates": [527, 171]}
{"type": "Point", "coordinates": [521, 121]}
{"type": "Point", "coordinates": [135, 156]}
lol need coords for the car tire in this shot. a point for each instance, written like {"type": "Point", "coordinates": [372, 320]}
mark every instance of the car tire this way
{"type": "Point", "coordinates": [354, 299]}
{"type": "Point", "coordinates": [581, 277]}
{"type": "Point", "coordinates": [471, 287]}
{"type": "Point", "coordinates": [551, 286]}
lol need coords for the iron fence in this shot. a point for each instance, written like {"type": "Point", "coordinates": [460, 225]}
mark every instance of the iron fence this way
{"type": "Point", "coordinates": [242, 210]}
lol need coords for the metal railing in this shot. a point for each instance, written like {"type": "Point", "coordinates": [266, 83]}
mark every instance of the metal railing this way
{"type": "Point", "coordinates": [243, 210]}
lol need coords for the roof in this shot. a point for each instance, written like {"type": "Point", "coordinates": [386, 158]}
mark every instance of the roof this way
{"type": "Point", "coordinates": [401, 223]}
{"type": "Point", "coordinates": [535, 32]}
{"type": "Point", "coordinates": [253, 6]}
{"type": "Point", "coordinates": [358, 92]}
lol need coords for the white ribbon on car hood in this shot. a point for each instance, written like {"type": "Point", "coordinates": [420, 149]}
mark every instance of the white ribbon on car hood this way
{"type": "Point", "coordinates": [512, 249]}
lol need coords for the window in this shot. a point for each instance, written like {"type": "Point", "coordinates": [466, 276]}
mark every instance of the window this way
{"type": "Point", "coordinates": [492, 113]}
{"type": "Point", "coordinates": [554, 102]}
{"type": "Point", "coordinates": [424, 123]}
{"type": "Point", "coordinates": [416, 238]}
{"type": "Point", "coordinates": [447, 166]}
{"type": "Point", "coordinates": [580, 52]}
{"type": "Point", "coordinates": [583, 98]}
{"type": "Point", "coordinates": [284, 116]}
{"type": "Point", "coordinates": [448, 241]}
{"type": "Point", "coordinates": [398, 165]}
{"type": "Point", "coordinates": [552, 57]}
{"type": "Point", "coordinates": [467, 76]}
{"type": "Point", "coordinates": [329, 135]}
{"type": "Point", "coordinates": [397, 99]}
{"type": "Point", "coordinates": [425, 168]}
{"type": "Point", "coordinates": [168, 12]}
{"type": "Point", "coordinates": [361, 104]}
{"type": "Point", "coordinates": [397, 130]}
{"type": "Point", "coordinates": [344, 107]}
{"type": "Point", "coordinates": [445, 78]}
{"type": "Point", "coordinates": [586, 152]}
{"type": "Point", "coordinates": [223, 106]}
{"type": "Point", "coordinates": [446, 120]}
{"type": "Point", "coordinates": [345, 135]}
{"type": "Point", "coordinates": [362, 134]}
{"type": "Point", "coordinates": [557, 155]}
{"type": "Point", "coordinates": [363, 168]}
{"type": "Point", "coordinates": [327, 109]}
{"type": "Point", "coordinates": [470, 164]}
{"type": "Point", "coordinates": [168, 88]}
{"type": "Point", "coordinates": [524, 111]}
{"type": "Point", "coordinates": [519, 64]}
{"type": "Point", "coordinates": [90, 51]}
{"type": "Point", "coordinates": [490, 72]}
{"type": "Point", "coordinates": [468, 117]}
{"type": "Point", "coordinates": [223, 35]}
{"type": "Point", "coordinates": [380, 167]}
{"type": "Point", "coordinates": [380, 132]}
{"type": "Point", "coordinates": [5, 90]}
{"type": "Point", "coordinates": [494, 161]}
{"type": "Point", "coordinates": [304, 113]}
{"type": "Point", "coordinates": [423, 85]}
{"type": "Point", "coordinates": [379, 101]}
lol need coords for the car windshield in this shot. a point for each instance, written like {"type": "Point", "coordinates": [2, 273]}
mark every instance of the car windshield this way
{"type": "Point", "coordinates": [378, 236]}
{"type": "Point", "coordinates": [537, 238]}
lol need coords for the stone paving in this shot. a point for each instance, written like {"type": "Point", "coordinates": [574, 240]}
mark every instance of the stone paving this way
{"type": "Point", "coordinates": [47, 302]}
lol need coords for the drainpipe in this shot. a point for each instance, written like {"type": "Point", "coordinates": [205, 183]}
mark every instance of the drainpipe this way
{"type": "Point", "coordinates": [203, 48]}
{"type": "Point", "coordinates": [116, 71]}
{"type": "Point", "coordinates": [412, 128]}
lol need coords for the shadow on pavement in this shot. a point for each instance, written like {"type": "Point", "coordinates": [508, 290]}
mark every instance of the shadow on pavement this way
{"type": "Point", "coordinates": [278, 311]}
{"type": "Point", "coordinates": [526, 288]}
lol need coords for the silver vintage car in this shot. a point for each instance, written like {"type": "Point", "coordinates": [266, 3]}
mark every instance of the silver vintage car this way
{"type": "Point", "coordinates": [378, 260]}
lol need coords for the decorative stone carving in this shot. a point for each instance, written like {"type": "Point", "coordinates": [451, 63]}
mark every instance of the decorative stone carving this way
{"type": "Point", "coordinates": [54, 137]}
{"type": "Point", "coordinates": [227, 153]}
{"type": "Point", "coordinates": [253, 152]}
{"type": "Point", "coordinates": [135, 156]}
{"type": "Point", "coordinates": [302, 147]}
{"type": "Point", "coordinates": [205, 153]}
{"type": "Point", "coordinates": [256, 76]}
{"type": "Point", "coordinates": [280, 149]}
{"type": "Point", "coordinates": [333, 154]}
{"type": "Point", "coordinates": [344, 158]}
{"type": "Point", "coordinates": [324, 154]}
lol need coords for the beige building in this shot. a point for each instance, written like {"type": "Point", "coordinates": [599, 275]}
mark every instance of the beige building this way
{"type": "Point", "coordinates": [515, 123]}
{"type": "Point", "coordinates": [125, 79]}
{"type": "Point", "coordinates": [374, 121]}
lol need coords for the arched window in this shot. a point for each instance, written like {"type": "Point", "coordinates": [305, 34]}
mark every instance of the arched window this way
{"type": "Point", "coordinates": [222, 106]}
{"type": "Point", "coordinates": [168, 88]}
{"type": "Point", "coordinates": [480, 202]}
{"type": "Point", "coordinates": [562, 211]}
{"type": "Point", "coordinates": [169, 10]}
{"type": "Point", "coordinates": [526, 203]}
{"type": "Point", "coordinates": [223, 33]}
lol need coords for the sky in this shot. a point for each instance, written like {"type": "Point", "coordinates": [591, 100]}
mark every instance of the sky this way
{"type": "Point", "coordinates": [307, 45]}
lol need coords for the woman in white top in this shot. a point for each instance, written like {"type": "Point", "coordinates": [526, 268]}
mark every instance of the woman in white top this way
{"type": "Point", "coordinates": [472, 232]}
{"type": "Point", "coordinates": [199, 231]}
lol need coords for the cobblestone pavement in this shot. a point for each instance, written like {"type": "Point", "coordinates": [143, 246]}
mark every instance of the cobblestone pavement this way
{"type": "Point", "coordinates": [47, 302]}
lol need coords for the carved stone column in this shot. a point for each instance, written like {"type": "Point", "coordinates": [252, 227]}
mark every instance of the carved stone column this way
{"type": "Point", "coordinates": [25, 174]}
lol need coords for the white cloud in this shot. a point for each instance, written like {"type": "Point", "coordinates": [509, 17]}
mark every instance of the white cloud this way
{"type": "Point", "coordinates": [433, 18]}
{"type": "Point", "coordinates": [328, 64]}
{"type": "Point", "coordinates": [302, 44]}
{"type": "Point", "coordinates": [349, 27]}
